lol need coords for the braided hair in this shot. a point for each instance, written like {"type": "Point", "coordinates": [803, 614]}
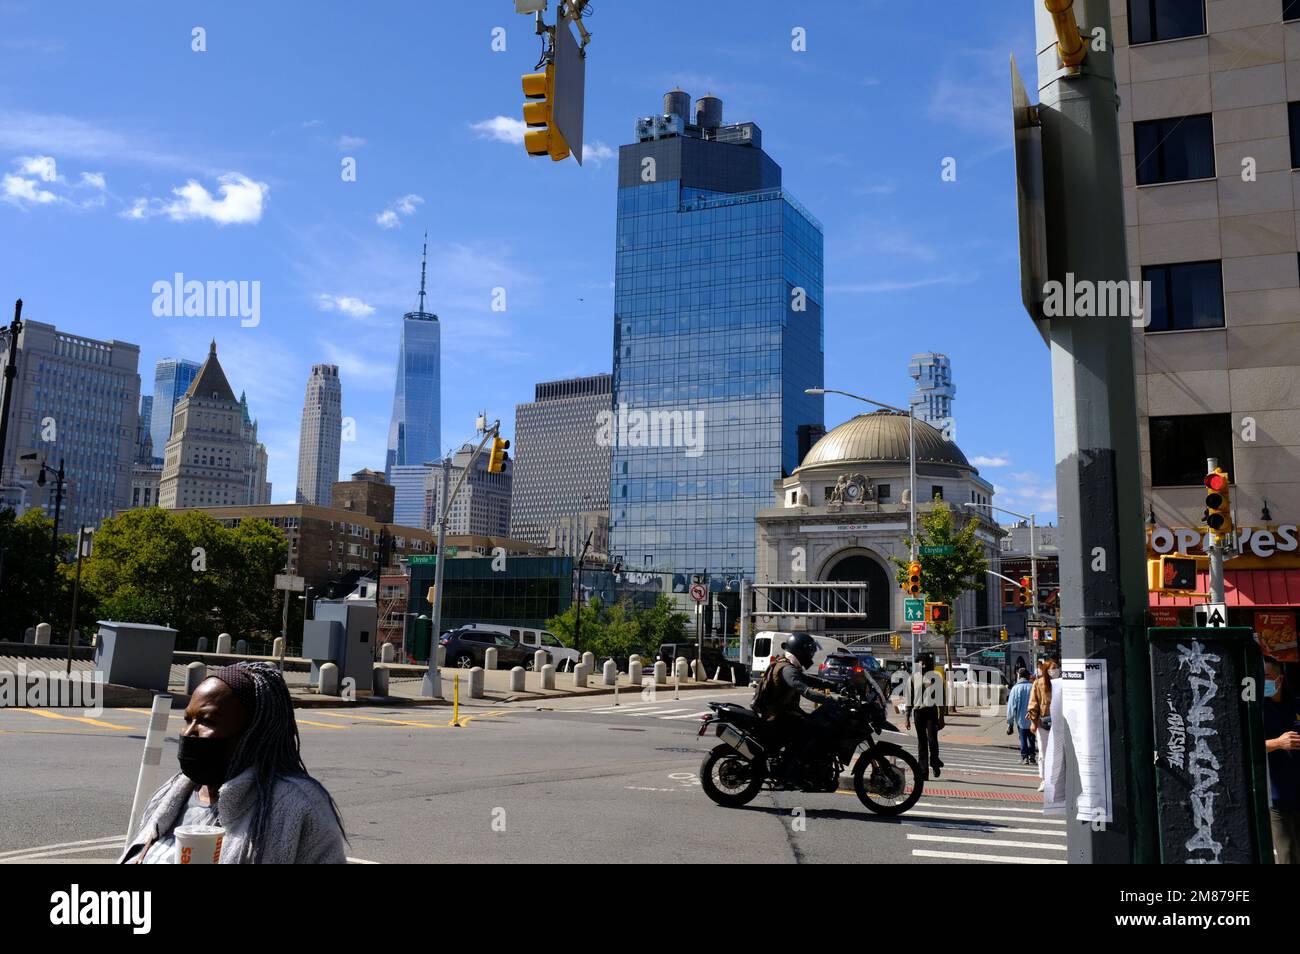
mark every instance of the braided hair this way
{"type": "Point", "coordinates": [270, 745]}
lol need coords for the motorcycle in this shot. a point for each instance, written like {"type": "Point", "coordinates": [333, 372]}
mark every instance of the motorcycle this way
{"type": "Point", "coordinates": [886, 777]}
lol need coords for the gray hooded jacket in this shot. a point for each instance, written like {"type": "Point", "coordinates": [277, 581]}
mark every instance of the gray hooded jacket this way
{"type": "Point", "coordinates": [301, 830]}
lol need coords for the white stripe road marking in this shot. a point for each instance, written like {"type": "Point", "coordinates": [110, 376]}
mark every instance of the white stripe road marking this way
{"type": "Point", "coordinates": [973, 824]}
{"type": "Point", "coordinates": [961, 770]}
{"type": "Point", "coordinates": [991, 842]}
{"type": "Point", "coordinates": [117, 846]}
{"type": "Point", "coordinates": [969, 856]}
{"type": "Point", "coordinates": [1010, 818]}
{"type": "Point", "coordinates": [631, 708]}
{"type": "Point", "coordinates": [113, 839]}
{"type": "Point", "coordinates": [658, 712]}
{"type": "Point", "coordinates": [979, 808]}
{"type": "Point", "coordinates": [693, 715]}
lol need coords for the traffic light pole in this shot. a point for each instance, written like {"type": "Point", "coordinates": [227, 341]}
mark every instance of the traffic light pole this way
{"type": "Point", "coordinates": [1098, 464]}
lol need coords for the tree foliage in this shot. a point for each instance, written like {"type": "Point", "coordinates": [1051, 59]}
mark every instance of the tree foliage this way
{"type": "Point", "coordinates": [27, 594]}
{"type": "Point", "coordinates": [619, 629]}
{"type": "Point", "coordinates": [945, 577]}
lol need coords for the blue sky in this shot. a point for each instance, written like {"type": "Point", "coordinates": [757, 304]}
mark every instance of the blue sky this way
{"type": "Point", "coordinates": [225, 165]}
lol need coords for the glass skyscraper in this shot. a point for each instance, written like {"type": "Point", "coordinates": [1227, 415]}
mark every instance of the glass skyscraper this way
{"type": "Point", "coordinates": [415, 435]}
{"type": "Point", "coordinates": [171, 379]}
{"type": "Point", "coordinates": [718, 331]}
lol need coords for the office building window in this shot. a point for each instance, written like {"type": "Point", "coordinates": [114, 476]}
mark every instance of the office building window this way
{"type": "Point", "coordinates": [1293, 114]}
{"type": "Point", "coordinates": [1174, 150]}
{"type": "Point", "coordinates": [1152, 20]}
{"type": "Point", "coordinates": [1180, 446]}
{"type": "Point", "coordinates": [1185, 296]}
{"type": "Point", "coordinates": [882, 491]}
{"type": "Point", "coordinates": [1291, 9]}
{"type": "Point", "coordinates": [936, 491]}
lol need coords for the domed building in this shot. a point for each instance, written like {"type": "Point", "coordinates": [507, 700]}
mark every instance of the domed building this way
{"type": "Point", "coordinates": [843, 514]}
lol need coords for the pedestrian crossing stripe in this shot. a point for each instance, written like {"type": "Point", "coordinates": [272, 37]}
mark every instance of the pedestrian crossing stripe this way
{"type": "Point", "coordinates": [971, 856]}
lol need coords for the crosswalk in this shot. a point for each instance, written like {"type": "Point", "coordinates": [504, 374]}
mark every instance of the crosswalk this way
{"type": "Point", "coordinates": [671, 711]}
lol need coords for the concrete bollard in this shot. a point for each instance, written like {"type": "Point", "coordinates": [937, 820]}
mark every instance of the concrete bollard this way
{"type": "Point", "coordinates": [490, 658]}
{"type": "Point", "coordinates": [431, 688]}
{"type": "Point", "coordinates": [634, 671]}
{"type": "Point", "coordinates": [697, 672]}
{"type": "Point", "coordinates": [580, 676]}
{"type": "Point", "coordinates": [661, 673]}
{"type": "Point", "coordinates": [548, 676]}
{"type": "Point", "coordinates": [195, 673]}
{"type": "Point", "coordinates": [589, 660]}
{"type": "Point", "coordinates": [540, 659]}
{"type": "Point", "coordinates": [329, 677]}
{"type": "Point", "coordinates": [680, 669]}
{"type": "Point", "coordinates": [202, 647]}
{"type": "Point", "coordinates": [223, 644]}
{"type": "Point", "coordinates": [29, 636]}
{"type": "Point", "coordinates": [42, 634]}
{"type": "Point", "coordinates": [635, 657]}
{"type": "Point", "coordinates": [517, 679]}
{"type": "Point", "coordinates": [387, 653]}
{"type": "Point", "coordinates": [379, 683]}
{"type": "Point", "coordinates": [241, 648]}
{"type": "Point", "coordinates": [277, 647]}
{"type": "Point", "coordinates": [476, 683]}
{"type": "Point", "coordinates": [609, 673]}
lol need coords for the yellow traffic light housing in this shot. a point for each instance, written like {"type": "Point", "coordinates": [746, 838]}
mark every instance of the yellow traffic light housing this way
{"type": "Point", "coordinates": [1003, 635]}
{"type": "Point", "coordinates": [913, 586]}
{"type": "Point", "coordinates": [1175, 574]}
{"type": "Point", "coordinates": [542, 138]}
{"type": "Point", "coordinates": [1022, 591]}
{"type": "Point", "coordinates": [498, 456]}
{"type": "Point", "coordinates": [1218, 502]}
{"type": "Point", "coordinates": [937, 612]}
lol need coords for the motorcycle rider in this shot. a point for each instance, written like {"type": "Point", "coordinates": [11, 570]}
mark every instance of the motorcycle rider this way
{"type": "Point", "coordinates": [777, 700]}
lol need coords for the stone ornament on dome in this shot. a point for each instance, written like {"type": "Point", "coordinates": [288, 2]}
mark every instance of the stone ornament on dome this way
{"type": "Point", "coordinates": [853, 489]}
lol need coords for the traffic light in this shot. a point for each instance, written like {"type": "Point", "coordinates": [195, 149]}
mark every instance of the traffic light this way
{"type": "Point", "coordinates": [937, 612]}
{"type": "Point", "coordinates": [1003, 635]}
{"type": "Point", "coordinates": [1023, 594]}
{"type": "Point", "coordinates": [1218, 503]}
{"type": "Point", "coordinates": [896, 641]}
{"type": "Point", "coordinates": [913, 586]}
{"type": "Point", "coordinates": [498, 457]}
{"type": "Point", "coordinates": [542, 138]}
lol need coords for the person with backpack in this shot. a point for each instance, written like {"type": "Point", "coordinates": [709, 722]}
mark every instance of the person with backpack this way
{"type": "Point", "coordinates": [777, 700]}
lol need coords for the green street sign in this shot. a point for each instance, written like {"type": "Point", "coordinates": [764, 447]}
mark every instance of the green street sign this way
{"type": "Point", "coordinates": [422, 560]}
{"type": "Point", "coordinates": [914, 611]}
{"type": "Point", "coordinates": [987, 654]}
{"type": "Point", "coordinates": [936, 551]}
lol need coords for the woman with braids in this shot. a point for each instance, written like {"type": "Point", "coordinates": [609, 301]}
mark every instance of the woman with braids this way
{"type": "Point", "coordinates": [241, 770]}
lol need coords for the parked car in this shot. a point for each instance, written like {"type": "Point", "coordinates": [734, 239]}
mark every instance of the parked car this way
{"type": "Point", "coordinates": [466, 648]}
{"type": "Point", "coordinates": [767, 646]}
{"type": "Point", "coordinates": [844, 665]}
{"type": "Point", "coordinates": [533, 640]}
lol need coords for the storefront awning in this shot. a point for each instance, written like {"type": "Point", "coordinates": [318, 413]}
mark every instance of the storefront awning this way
{"type": "Point", "coordinates": [1243, 588]}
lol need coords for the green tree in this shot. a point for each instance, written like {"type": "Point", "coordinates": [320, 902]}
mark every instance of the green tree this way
{"type": "Point", "coordinates": [620, 629]}
{"type": "Point", "coordinates": [25, 574]}
{"type": "Point", "coordinates": [944, 577]}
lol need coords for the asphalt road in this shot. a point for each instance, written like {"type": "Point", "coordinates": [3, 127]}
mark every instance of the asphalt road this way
{"type": "Point", "coordinates": [577, 782]}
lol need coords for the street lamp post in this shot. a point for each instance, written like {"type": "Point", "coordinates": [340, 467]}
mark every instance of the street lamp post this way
{"type": "Point", "coordinates": [11, 370]}
{"type": "Point", "coordinates": [58, 510]}
{"type": "Point", "coordinates": [577, 613]}
{"type": "Point", "coordinates": [910, 411]}
{"type": "Point", "coordinates": [83, 549]}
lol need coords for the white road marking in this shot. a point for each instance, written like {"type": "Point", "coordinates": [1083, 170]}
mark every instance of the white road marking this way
{"type": "Point", "coordinates": [991, 842]}
{"type": "Point", "coordinates": [13, 853]}
{"type": "Point", "coordinates": [658, 713]}
{"type": "Point", "coordinates": [693, 715]}
{"type": "Point", "coordinates": [1010, 818]}
{"type": "Point", "coordinates": [970, 856]}
{"type": "Point", "coordinates": [978, 808]}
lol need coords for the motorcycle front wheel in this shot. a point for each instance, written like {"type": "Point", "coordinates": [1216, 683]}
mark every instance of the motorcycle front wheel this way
{"type": "Point", "coordinates": [729, 779]}
{"type": "Point", "coordinates": [887, 779]}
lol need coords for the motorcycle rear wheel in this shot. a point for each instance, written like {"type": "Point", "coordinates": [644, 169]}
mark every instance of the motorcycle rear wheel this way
{"type": "Point", "coordinates": [728, 779]}
{"type": "Point", "coordinates": [893, 770]}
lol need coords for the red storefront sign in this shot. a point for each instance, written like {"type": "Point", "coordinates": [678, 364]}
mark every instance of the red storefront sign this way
{"type": "Point", "coordinates": [1164, 616]}
{"type": "Point", "coordinates": [1276, 635]}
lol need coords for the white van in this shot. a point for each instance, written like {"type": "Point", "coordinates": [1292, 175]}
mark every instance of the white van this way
{"type": "Point", "coordinates": [767, 646]}
{"type": "Point", "coordinates": [533, 640]}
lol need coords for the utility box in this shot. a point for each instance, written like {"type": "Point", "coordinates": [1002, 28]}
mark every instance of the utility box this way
{"type": "Point", "coordinates": [138, 655]}
{"type": "Point", "coordinates": [343, 633]}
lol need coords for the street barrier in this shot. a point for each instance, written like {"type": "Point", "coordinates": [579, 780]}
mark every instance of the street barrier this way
{"type": "Point", "coordinates": [432, 687]}
{"type": "Point", "coordinates": [277, 647]}
{"type": "Point", "coordinates": [195, 673]}
{"type": "Point", "coordinates": [476, 682]}
{"type": "Point", "coordinates": [634, 671]}
{"type": "Point", "coordinates": [609, 673]}
{"type": "Point", "coordinates": [517, 679]}
{"type": "Point", "coordinates": [540, 659]}
{"type": "Point", "coordinates": [580, 676]}
{"type": "Point", "coordinates": [202, 647]}
{"type": "Point", "coordinates": [329, 677]}
{"type": "Point", "coordinates": [151, 761]}
{"type": "Point", "coordinates": [387, 653]}
{"type": "Point", "coordinates": [29, 635]}
{"type": "Point", "coordinates": [490, 658]}
{"type": "Point", "coordinates": [661, 673]}
{"type": "Point", "coordinates": [241, 648]}
{"type": "Point", "coordinates": [680, 671]}
{"type": "Point", "coordinates": [589, 660]}
{"type": "Point", "coordinates": [698, 668]}
{"type": "Point", "coordinates": [548, 676]}
{"type": "Point", "coordinates": [43, 634]}
{"type": "Point", "coordinates": [223, 644]}
{"type": "Point", "coordinates": [379, 684]}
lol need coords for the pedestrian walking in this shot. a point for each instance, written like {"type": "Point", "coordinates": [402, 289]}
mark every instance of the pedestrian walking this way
{"type": "Point", "coordinates": [1018, 717]}
{"type": "Point", "coordinates": [925, 702]}
{"type": "Point", "coordinates": [1281, 711]}
{"type": "Point", "coordinates": [241, 771]}
{"type": "Point", "coordinates": [1040, 714]}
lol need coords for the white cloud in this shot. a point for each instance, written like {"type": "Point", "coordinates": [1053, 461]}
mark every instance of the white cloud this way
{"type": "Point", "coordinates": [391, 217]}
{"type": "Point", "coordinates": [596, 152]}
{"type": "Point", "coordinates": [501, 129]}
{"type": "Point", "coordinates": [349, 142]}
{"type": "Point", "coordinates": [240, 202]}
{"type": "Point", "coordinates": [43, 167]}
{"type": "Point", "coordinates": [982, 461]}
{"type": "Point", "coordinates": [93, 180]}
{"type": "Point", "coordinates": [22, 191]}
{"type": "Point", "coordinates": [346, 304]}
{"type": "Point", "coordinates": [888, 286]}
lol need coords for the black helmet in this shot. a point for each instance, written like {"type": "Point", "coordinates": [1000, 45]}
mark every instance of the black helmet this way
{"type": "Point", "coordinates": [803, 647]}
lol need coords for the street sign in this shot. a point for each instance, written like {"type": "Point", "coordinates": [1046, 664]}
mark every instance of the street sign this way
{"type": "Point", "coordinates": [1211, 615]}
{"type": "Point", "coordinates": [918, 629]}
{"type": "Point", "coordinates": [990, 654]}
{"type": "Point", "coordinates": [914, 611]}
{"type": "Point", "coordinates": [422, 560]}
{"type": "Point", "coordinates": [698, 592]}
{"type": "Point", "coordinates": [284, 581]}
{"type": "Point", "coordinates": [936, 551]}
{"type": "Point", "coordinates": [1030, 197]}
{"type": "Point", "coordinates": [570, 87]}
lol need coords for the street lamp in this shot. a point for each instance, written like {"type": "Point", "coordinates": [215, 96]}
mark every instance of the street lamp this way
{"type": "Point", "coordinates": [58, 475]}
{"type": "Point", "coordinates": [83, 550]}
{"type": "Point", "coordinates": [10, 371]}
{"type": "Point", "coordinates": [911, 464]}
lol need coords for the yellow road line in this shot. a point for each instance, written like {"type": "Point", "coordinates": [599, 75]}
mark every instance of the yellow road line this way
{"type": "Point", "coordinates": [322, 725]}
{"type": "Point", "coordinates": [88, 721]}
{"type": "Point", "coordinates": [466, 720]}
{"type": "Point", "coordinates": [363, 718]}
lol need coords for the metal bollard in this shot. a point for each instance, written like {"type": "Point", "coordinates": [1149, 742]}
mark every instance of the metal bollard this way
{"type": "Point", "coordinates": [589, 660]}
{"type": "Point", "coordinates": [387, 653]}
{"type": "Point", "coordinates": [476, 683]}
{"type": "Point", "coordinates": [540, 659]}
{"type": "Point", "coordinates": [580, 676]}
{"type": "Point", "coordinates": [609, 673]}
{"type": "Point", "coordinates": [661, 673]}
{"type": "Point", "coordinates": [329, 678]}
{"type": "Point", "coordinates": [195, 673]}
{"type": "Point", "coordinates": [42, 634]}
{"type": "Point", "coordinates": [634, 671]}
{"type": "Point", "coordinates": [223, 644]}
{"type": "Point", "coordinates": [517, 679]}
{"type": "Point", "coordinates": [379, 682]}
{"type": "Point", "coordinates": [241, 648]}
{"type": "Point", "coordinates": [277, 647]}
{"type": "Point", "coordinates": [490, 658]}
{"type": "Point", "coordinates": [548, 676]}
{"type": "Point", "coordinates": [202, 647]}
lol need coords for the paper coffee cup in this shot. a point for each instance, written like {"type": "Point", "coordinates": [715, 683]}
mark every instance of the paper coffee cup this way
{"type": "Point", "coordinates": [198, 844]}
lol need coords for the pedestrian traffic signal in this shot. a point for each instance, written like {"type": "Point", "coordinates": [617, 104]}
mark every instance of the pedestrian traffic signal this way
{"type": "Point", "coordinates": [1218, 504]}
{"type": "Point", "coordinates": [1178, 574]}
{"type": "Point", "coordinates": [498, 457]}
{"type": "Point", "coordinates": [542, 138]}
{"type": "Point", "coordinates": [937, 612]}
{"type": "Point", "coordinates": [1023, 592]}
{"type": "Point", "coordinates": [913, 586]}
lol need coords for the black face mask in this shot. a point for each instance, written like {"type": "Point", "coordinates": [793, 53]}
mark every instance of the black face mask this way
{"type": "Point", "coordinates": [204, 760]}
